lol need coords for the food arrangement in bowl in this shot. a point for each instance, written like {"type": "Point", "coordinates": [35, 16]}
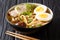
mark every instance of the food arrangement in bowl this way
{"type": "Point", "coordinates": [29, 15]}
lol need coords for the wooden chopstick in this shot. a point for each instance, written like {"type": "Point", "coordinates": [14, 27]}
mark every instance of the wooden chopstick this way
{"type": "Point", "coordinates": [20, 36]}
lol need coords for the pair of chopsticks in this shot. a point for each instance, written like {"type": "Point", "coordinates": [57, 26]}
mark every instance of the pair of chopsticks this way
{"type": "Point", "coordinates": [20, 36]}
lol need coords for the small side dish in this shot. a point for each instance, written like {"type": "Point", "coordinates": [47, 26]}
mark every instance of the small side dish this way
{"type": "Point", "coordinates": [29, 15]}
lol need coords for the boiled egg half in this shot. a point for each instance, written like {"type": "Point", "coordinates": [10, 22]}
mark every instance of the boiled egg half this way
{"type": "Point", "coordinates": [40, 9]}
{"type": "Point", "coordinates": [44, 16]}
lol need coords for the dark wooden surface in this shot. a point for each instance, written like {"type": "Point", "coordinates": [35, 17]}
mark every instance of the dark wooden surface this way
{"type": "Point", "coordinates": [49, 32]}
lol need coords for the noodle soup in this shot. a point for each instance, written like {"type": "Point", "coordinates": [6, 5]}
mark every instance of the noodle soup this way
{"type": "Point", "coordinates": [29, 15]}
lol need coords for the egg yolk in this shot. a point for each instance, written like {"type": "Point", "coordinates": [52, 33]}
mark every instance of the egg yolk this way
{"type": "Point", "coordinates": [39, 9]}
{"type": "Point", "coordinates": [43, 15]}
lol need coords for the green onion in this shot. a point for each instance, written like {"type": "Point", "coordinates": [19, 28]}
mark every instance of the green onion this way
{"type": "Point", "coordinates": [38, 25]}
{"type": "Point", "coordinates": [27, 13]}
{"type": "Point", "coordinates": [30, 20]}
{"type": "Point", "coordinates": [20, 18]}
{"type": "Point", "coordinates": [30, 26]}
{"type": "Point", "coordinates": [30, 7]}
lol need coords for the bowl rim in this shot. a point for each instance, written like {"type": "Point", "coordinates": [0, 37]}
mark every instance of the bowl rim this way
{"type": "Point", "coordinates": [28, 3]}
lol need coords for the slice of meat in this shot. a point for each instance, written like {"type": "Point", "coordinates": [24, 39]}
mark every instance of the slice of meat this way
{"type": "Point", "coordinates": [20, 8]}
{"type": "Point", "coordinates": [22, 24]}
{"type": "Point", "coordinates": [13, 13]}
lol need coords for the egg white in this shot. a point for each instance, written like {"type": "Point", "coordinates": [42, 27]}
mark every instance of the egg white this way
{"type": "Point", "coordinates": [49, 17]}
{"type": "Point", "coordinates": [43, 6]}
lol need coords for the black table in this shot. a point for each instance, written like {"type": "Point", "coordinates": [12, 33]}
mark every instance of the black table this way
{"type": "Point", "coordinates": [49, 32]}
